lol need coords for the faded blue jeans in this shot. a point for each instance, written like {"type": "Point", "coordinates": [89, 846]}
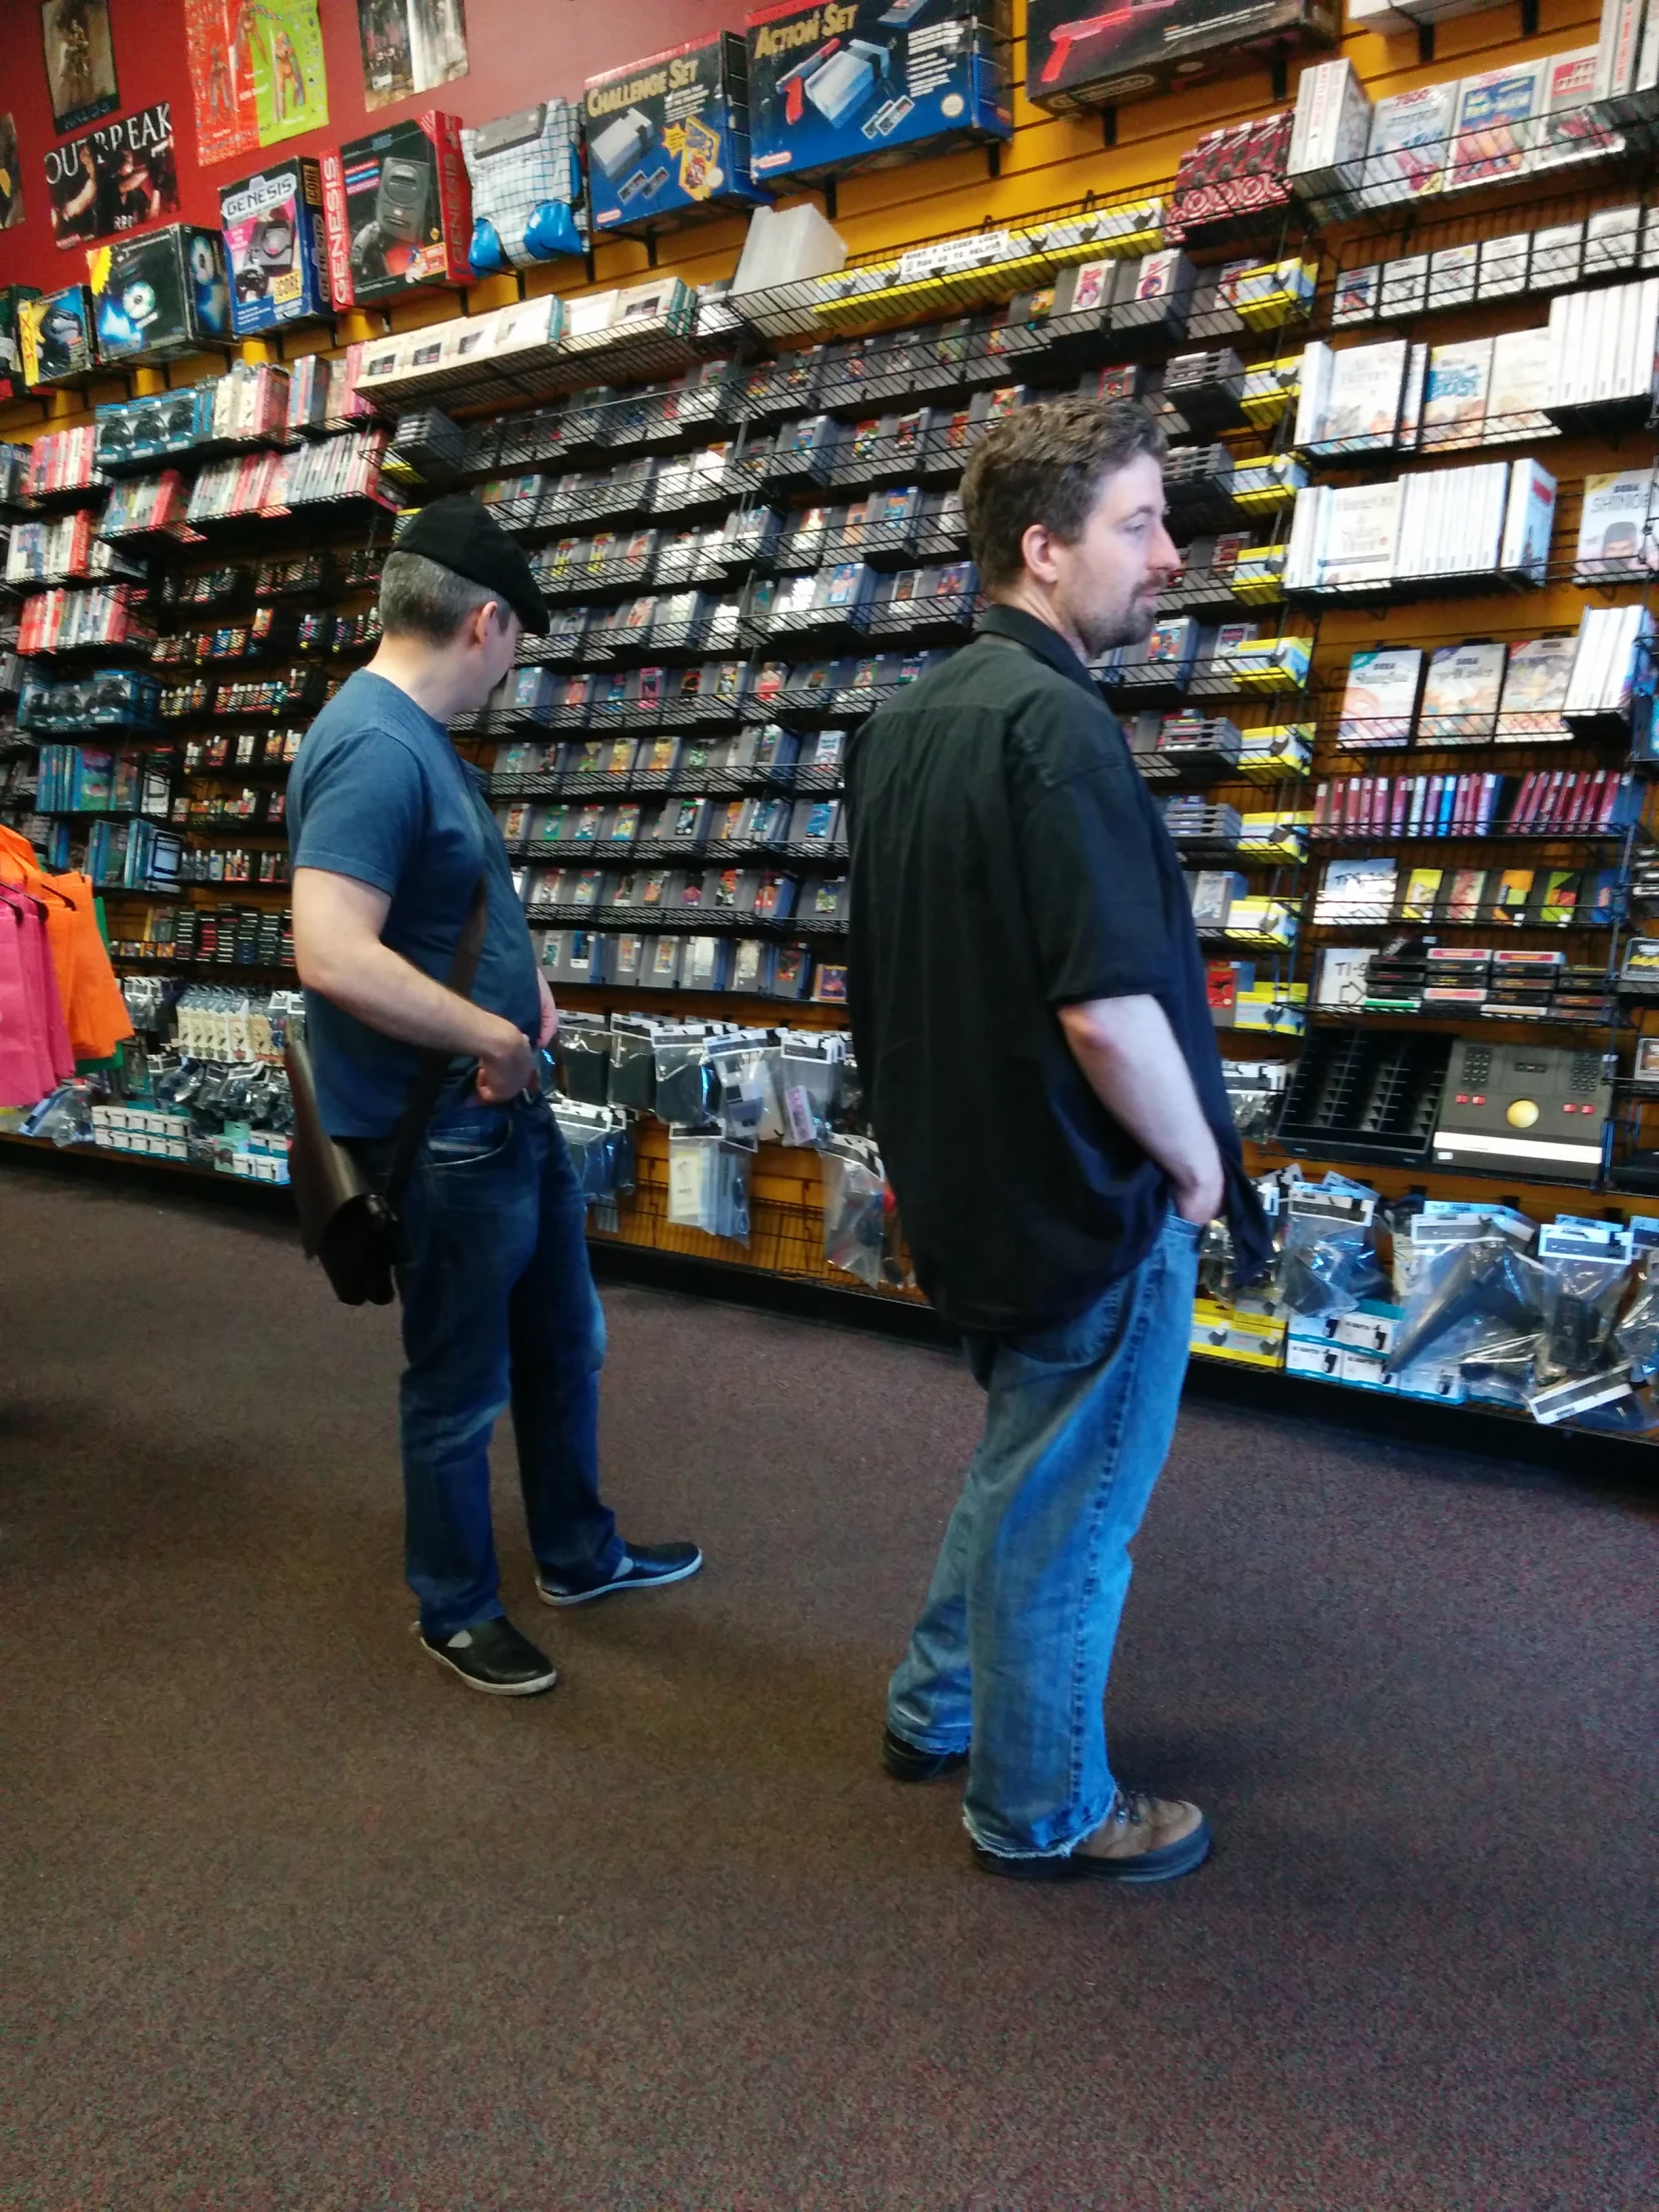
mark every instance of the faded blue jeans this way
{"type": "Point", "coordinates": [1012, 1654]}
{"type": "Point", "coordinates": [499, 1309]}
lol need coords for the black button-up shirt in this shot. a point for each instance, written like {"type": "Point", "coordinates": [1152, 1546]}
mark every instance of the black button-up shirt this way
{"type": "Point", "coordinates": [1007, 861]}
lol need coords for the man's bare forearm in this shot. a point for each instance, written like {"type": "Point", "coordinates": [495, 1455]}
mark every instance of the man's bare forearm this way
{"type": "Point", "coordinates": [386, 992]}
{"type": "Point", "coordinates": [1128, 1053]}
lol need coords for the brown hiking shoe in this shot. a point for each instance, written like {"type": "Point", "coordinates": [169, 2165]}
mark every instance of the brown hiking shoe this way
{"type": "Point", "coordinates": [1142, 1839]}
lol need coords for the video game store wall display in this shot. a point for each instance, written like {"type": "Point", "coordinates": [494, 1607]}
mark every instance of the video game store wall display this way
{"type": "Point", "coordinates": [160, 293]}
{"type": "Point", "coordinates": [669, 134]}
{"type": "Point", "coordinates": [276, 248]}
{"type": "Point", "coordinates": [834, 87]}
{"type": "Point", "coordinates": [1079, 55]}
{"type": "Point", "coordinates": [398, 210]}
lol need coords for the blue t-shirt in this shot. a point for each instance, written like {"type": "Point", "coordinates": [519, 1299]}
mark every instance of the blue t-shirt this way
{"type": "Point", "coordinates": [379, 794]}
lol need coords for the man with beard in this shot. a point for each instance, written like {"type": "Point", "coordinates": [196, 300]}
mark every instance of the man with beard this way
{"type": "Point", "coordinates": [1031, 1020]}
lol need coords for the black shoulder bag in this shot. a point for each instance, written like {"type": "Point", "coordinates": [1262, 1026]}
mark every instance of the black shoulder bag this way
{"type": "Point", "coordinates": [346, 1216]}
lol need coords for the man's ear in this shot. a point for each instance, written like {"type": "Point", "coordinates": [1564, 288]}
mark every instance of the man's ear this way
{"type": "Point", "coordinates": [1036, 547]}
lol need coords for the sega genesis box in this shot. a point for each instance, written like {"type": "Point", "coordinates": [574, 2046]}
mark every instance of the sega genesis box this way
{"type": "Point", "coordinates": [160, 293]}
{"type": "Point", "coordinates": [12, 299]}
{"type": "Point", "coordinates": [398, 210]}
{"type": "Point", "coordinates": [1080, 55]}
{"type": "Point", "coordinates": [669, 134]}
{"type": "Point", "coordinates": [55, 334]}
{"type": "Point", "coordinates": [850, 83]}
{"type": "Point", "coordinates": [274, 247]}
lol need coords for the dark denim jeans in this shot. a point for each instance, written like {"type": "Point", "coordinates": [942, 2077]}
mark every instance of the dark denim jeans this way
{"type": "Point", "coordinates": [499, 1309]}
{"type": "Point", "coordinates": [1012, 1654]}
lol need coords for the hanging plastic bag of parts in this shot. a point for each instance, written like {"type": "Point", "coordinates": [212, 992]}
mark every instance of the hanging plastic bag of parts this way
{"type": "Point", "coordinates": [1472, 1294]}
{"type": "Point", "coordinates": [1637, 1334]}
{"type": "Point", "coordinates": [526, 179]}
{"type": "Point", "coordinates": [810, 1066]}
{"type": "Point", "coordinates": [581, 1055]}
{"type": "Point", "coordinates": [744, 1069]}
{"type": "Point", "coordinates": [600, 1142]}
{"type": "Point", "coordinates": [1575, 1370]}
{"type": "Point", "coordinates": [1329, 1263]}
{"type": "Point", "coordinates": [685, 1082]}
{"type": "Point", "coordinates": [633, 1062]}
{"type": "Point", "coordinates": [64, 1115]}
{"type": "Point", "coordinates": [860, 1222]}
{"type": "Point", "coordinates": [708, 1183]}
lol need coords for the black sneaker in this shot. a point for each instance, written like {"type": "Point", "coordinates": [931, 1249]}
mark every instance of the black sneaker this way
{"type": "Point", "coordinates": [908, 1762]}
{"type": "Point", "coordinates": [494, 1657]}
{"type": "Point", "coordinates": [641, 1568]}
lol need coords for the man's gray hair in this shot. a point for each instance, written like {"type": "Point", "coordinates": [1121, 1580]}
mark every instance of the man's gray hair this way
{"type": "Point", "coordinates": [419, 598]}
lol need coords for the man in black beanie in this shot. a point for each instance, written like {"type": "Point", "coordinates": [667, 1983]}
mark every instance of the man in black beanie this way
{"type": "Point", "coordinates": [395, 852]}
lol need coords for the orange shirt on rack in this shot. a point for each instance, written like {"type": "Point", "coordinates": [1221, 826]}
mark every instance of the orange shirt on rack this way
{"type": "Point", "coordinates": [93, 1005]}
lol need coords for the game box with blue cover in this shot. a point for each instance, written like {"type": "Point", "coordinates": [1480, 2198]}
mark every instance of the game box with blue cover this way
{"type": "Point", "coordinates": [850, 84]}
{"type": "Point", "coordinates": [670, 135]}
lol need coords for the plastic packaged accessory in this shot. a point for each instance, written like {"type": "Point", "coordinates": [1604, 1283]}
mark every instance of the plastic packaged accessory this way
{"type": "Point", "coordinates": [1470, 1282]}
{"type": "Point", "coordinates": [744, 1071]}
{"type": "Point", "coordinates": [1329, 1263]}
{"type": "Point", "coordinates": [1637, 1334]}
{"type": "Point", "coordinates": [600, 1142]}
{"type": "Point", "coordinates": [633, 1062]}
{"type": "Point", "coordinates": [708, 1185]}
{"type": "Point", "coordinates": [685, 1085]}
{"type": "Point", "coordinates": [1587, 1268]}
{"type": "Point", "coordinates": [810, 1066]}
{"type": "Point", "coordinates": [64, 1115]}
{"type": "Point", "coordinates": [859, 1221]}
{"type": "Point", "coordinates": [581, 1055]}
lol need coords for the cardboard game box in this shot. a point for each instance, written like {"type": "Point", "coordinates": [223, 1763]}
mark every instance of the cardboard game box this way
{"type": "Point", "coordinates": [399, 210]}
{"type": "Point", "coordinates": [55, 335]}
{"type": "Point", "coordinates": [160, 293]}
{"type": "Point", "coordinates": [12, 301]}
{"type": "Point", "coordinates": [845, 84]}
{"type": "Point", "coordinates": [669, 134]}
{"type": "Point", "coordinates": [274, 246]}
{"type": "Point", "coordinates": [1081, 54]}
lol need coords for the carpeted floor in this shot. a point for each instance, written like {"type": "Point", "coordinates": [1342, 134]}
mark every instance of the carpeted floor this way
{"type": "Point", "coordinates": [293, 1922]}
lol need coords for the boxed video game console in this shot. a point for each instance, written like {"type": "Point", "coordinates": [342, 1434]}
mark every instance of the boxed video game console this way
{"type": "Point", "coordinates": [55, 335]}
{"type": "Point", "coordinates": [163, 292]}
{"type": "Point", "coordinates": [274, 246]}
{"type": "Point", "coordinates": [844, 83]}
{"type": "Point", "coordinates": [399, 210]}
{"type": "Point", "coordinates": [669, 134]}
{"type": "Point", "coordinates": [1080, 55]}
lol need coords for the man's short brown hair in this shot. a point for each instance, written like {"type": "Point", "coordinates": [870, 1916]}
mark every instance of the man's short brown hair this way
{"type": "Point", "coordinates": [1045, 465]}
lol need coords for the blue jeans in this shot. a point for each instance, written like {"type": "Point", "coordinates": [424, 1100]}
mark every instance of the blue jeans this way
{"type": "Point", "coordinates": [499, 1309]}
{"type": "Point", "coordinates": [1010, 1656]}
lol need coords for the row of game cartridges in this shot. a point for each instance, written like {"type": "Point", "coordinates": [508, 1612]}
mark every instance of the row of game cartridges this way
{"type": "Point", "coordinates": [134, 854]}
{"type": "Point", "coordinates": [760, 754]}
{"type": "Point", "coordinates": [59, 621]}
{"type": "Point", "coordinates": [252, 804]}
{"type": "Point", "coordinates": [689, 821]}
{"type": "Point", "coordinates": [633, 960]}
{"type": "Point", "coordinates": [343, 468]}
{"type": "Point", "coordinates": [84, 780]}
{"type": "Point", "coordinates": [1543, 803]}
{"type": "Point", "coordinates": [1223, 905]}
{"type": "Point", "coordinates": [1494, 518]}
{"type": "Point", "coordinates": [1596, 348]}
{"type": "Point", "coordinates": [1607, 244]}
{"type": "Point", "coordinates": [60, 549]}
{"type": "Point", "coordinates": [248, 937]}
{"type": "Point", "coordinates": [1183, 653]}
{"type": "Point", "coordinates": [1372, 891]}
{"type": "Point", "coordinates": [291, 691]}
{"type": "Point", "coordinates": [1416, 976]}
{"type": "Point", "coordinates": [1485, 691]}
{"type": "Point", "coordinates": [148, 506]}
{"type": "Point", "coordinates": [668, 898]}
{"type": "Point", "coordinates": [224, 748]}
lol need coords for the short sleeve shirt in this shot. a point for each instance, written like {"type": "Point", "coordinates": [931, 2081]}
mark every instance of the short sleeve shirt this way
{"type": "Point", "coordinates": [1007, 861]}
{"type": "Point", "coordinates": [379, 794]}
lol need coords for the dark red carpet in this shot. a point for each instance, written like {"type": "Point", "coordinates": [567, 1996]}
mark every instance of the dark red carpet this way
{"type": "Point", "coordinates": [293, 1922]}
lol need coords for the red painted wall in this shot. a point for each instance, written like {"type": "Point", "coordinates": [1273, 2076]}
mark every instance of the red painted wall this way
{"type": "Point", "coordinates": [520, 51]}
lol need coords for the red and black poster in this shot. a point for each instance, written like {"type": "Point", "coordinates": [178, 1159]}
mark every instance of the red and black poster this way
{"type": "Point", "coordinates": [117, 178]}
